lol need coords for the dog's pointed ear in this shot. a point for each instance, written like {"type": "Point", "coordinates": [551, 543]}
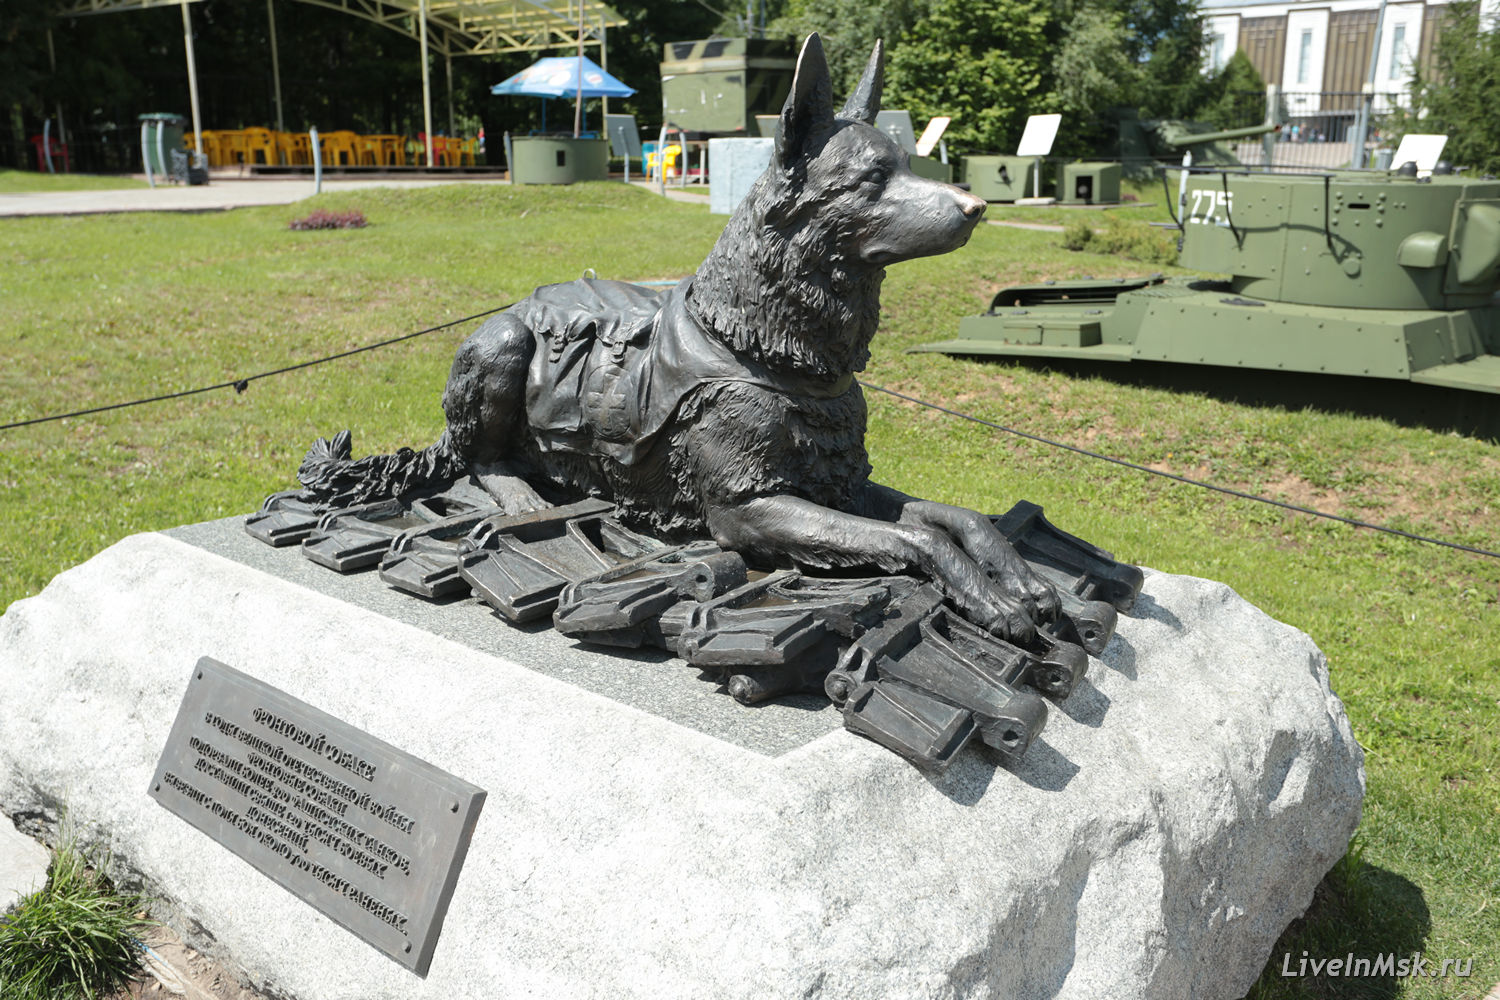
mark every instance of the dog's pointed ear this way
{"type": "Point", "coordinates": [864, 103]}
{"type": "Point", "coordinates": [808, 112]}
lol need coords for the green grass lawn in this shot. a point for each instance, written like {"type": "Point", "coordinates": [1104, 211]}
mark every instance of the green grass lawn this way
{"type": "Point", "coordinates": [1142, 201]}
{"type": "Point", "coordinates": [103, 309]}
{"type": "Point", "coordinates": [24, 181]}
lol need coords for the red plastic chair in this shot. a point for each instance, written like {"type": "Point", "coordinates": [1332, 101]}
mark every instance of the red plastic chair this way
{"type": "Point", "coordinates": [58, 150]}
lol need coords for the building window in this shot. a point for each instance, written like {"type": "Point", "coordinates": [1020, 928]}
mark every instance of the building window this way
{"type": "Point", "coordinates": [1398, 51]}
{"type": "Point", "coordinates": [1216, 52]}
{"type": "Point", "coordinates": [1304, 56]}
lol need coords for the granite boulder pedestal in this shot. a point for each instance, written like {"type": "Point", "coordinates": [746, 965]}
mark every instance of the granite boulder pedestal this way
{"type": "Point", "coordinates": [644, 835]}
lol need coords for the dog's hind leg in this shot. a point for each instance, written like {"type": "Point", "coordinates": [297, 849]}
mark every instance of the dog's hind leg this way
{"type": "Point", "coordinates": [485, 403]}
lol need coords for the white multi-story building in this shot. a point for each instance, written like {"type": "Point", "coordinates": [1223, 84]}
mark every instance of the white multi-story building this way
{"type": "Point", "coordinates": [1324, 45]}
{"type": "Point", "coordinates": [1317, 52]}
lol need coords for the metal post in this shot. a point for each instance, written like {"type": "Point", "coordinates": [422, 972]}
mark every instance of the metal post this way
{"type": "Point", "coordinates": [317, 155]}
{"type": "Point", "coordinates": [275, 66]}
{"type": "Point", "coordinates": [661, 159]}
{"type": "Point", "coordinates": [452, 129]}
{"type": "Point", "coordinates": [1362, 122]}
{"type": "Point", "coordinates": [62, 132]}
{"type": "Point", "coordinates": [1182, 183]}
{"type": "Point", "coordinates": [1273, 113]}
{"type": "Point", "coordinates": [578, 105]}
{"type": "Point", "coordinates": [604, 63]}
{"type": "Point", "coordinates": [192, 68]}
{"type": "Point", "coordinates": [426, 84]}
{"type": "Point", "coordinates": [161, 154]}
{"type": "Point", "coordinates": [47, 145]}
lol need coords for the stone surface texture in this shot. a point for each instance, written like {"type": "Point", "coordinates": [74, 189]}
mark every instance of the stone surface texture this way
{"type": "Point", "coordinates": [23, 864]}
{"type": "Point", "coordinates": [1173, 817]}
{"type": "Point", "coordinates": [734, 165]}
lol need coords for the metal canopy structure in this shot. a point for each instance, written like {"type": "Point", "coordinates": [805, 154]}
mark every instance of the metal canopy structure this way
{"type": "Point", "coordinates": [454, 27]}
{"type": "Point", "coordinates": [443, 27]}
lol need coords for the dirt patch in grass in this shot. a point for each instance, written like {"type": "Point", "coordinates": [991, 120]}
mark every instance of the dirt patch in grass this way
{"type": "Point", "coordinates": [180, 967]}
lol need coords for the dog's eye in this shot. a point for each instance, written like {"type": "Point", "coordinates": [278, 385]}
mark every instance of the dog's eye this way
{"type": "Point", "coordinates": [876, 175]}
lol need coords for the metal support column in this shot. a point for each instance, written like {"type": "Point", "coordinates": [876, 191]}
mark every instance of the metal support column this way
{"type": "Point", "coordinates": [426, 84]}
{"type": "Point", "coordinates": [1362, 121]}
{"type": "Point", "coordinates": [275, 65]}
{"type": "Point", "coordinates": [192, 68]}
{"type": "Point", "coordinates": [62, 131]}
{"type": "Point", "coordinates": [452, 130]}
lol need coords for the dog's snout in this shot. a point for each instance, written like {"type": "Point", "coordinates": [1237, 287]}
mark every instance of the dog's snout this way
{"type": "Point", "coordinates": [972, 207]}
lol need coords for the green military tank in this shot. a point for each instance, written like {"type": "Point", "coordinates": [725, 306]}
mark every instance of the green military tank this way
{"type": "Point", "coordinates": [1376, 274]}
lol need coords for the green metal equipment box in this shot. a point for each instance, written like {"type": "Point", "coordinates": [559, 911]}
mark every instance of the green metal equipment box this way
{"type": "Point", "coordinates": [1088, 183]}
{"type": "Point", "coordinates": [999, 178]}
{"type": "Point", "coordinates": [932, 168]}
{"type": "Point", "coordinates": [542, 159]}
{"type": "Point", "coordinates": [719, 85]}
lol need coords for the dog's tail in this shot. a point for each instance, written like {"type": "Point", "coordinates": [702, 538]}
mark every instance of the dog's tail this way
{"type": "Point", "coordinates": [331, 479]}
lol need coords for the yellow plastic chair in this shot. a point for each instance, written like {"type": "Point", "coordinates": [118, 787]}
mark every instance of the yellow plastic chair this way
{"type": "Point", "coordinates": [232, 148]}
{"type": "Point", "coordinates": [260, 146]}
{"type": "Point", "coordinates": [293, 148]}
{"type": "Point", "coordinates": [671, 153]}
{"type": "Point", "coordinates": [213, 148]}
{"type": "Point", "coordinates": [340, 149]}
{"type": "Point", "coordinates": [464, 151]}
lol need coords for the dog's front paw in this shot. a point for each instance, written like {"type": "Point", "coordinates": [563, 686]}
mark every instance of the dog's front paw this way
{"type": "Point", "coordinates": [1038, 596]}
{"type": "Point", "coordinates": [1013, 624]}
{"type": "Point", "coordinates": [1015, 577]}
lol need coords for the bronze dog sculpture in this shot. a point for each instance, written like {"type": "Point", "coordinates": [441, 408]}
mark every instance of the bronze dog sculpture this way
{"type": "Point", "coordinates": [728, 405]}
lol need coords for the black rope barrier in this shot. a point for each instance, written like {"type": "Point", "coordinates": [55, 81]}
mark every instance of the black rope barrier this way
{"type": "Point", "coordinates": [241, 384]}
{"type": "Point", "coordinates": [1355, 522]}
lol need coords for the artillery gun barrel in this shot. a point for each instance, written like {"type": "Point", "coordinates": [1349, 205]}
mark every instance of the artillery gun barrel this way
{"type": "Point", "coordinates": [1179, 138]}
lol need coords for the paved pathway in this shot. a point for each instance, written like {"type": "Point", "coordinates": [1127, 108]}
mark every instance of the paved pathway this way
{"type": "Point", "coordinates": [218, 195]}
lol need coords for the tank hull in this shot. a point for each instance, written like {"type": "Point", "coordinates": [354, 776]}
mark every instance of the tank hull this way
{"type": "Point", "coordinates": [1207, 323]}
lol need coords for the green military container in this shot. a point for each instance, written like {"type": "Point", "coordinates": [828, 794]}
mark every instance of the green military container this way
{"type": "Point", "coordinates": [719, 85]}
{"type": "Point", "coordinates": [1088, 183]}
{"type": "Point", "coordinates": [546, 159]}
{"type": "Point", "coordinates": [1358, 273]}
{"type": "Point", "coordinates": [999, 178]}
{"type": "Point", "coordinates": [931, 168]}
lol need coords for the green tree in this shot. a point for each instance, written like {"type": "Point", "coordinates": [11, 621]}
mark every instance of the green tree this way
{"type": "Point", "coordinates": [1460, 92]}
{"type": "Point", "coordinates": [984, 62]}
{"type": "Point", "coordinates": [1236, 95]}
{"type": "Point", "coordinates": [850, 29]}
{"type": "Point", "coordinates": [1094, 71]}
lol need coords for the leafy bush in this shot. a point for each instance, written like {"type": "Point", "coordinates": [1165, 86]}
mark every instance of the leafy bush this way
{"type": "Point", "coordinates": [323, 219]}
{"type": "Point", "coordinates": [72, 938]}
{"type": "Point", "coordinates": [1124, 238]}
{"type": "Point", "coordinates": [1077, 235]}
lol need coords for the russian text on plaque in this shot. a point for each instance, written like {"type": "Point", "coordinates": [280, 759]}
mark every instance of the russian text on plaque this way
{"type": "Point", "coordinates": [364, 832]}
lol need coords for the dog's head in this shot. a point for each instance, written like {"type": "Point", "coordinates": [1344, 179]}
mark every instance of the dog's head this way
{"type": "Point", "coordinates": [794, 281]}
{"type": "Point", "coordinates": [835, 169]}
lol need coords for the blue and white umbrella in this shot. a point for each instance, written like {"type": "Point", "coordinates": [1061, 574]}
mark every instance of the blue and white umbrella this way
{"type": "Point", "coordinates": [559, 76]}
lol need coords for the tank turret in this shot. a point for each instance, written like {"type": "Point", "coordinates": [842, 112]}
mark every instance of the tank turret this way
{"type": "Point", "coordinates": [1354, 240]}
{"type": "Point", "coordinates": [1380, 274]}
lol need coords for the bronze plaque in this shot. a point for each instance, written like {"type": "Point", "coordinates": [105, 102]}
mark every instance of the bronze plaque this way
{"type": "Point", "coordinates": [365, 833]}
